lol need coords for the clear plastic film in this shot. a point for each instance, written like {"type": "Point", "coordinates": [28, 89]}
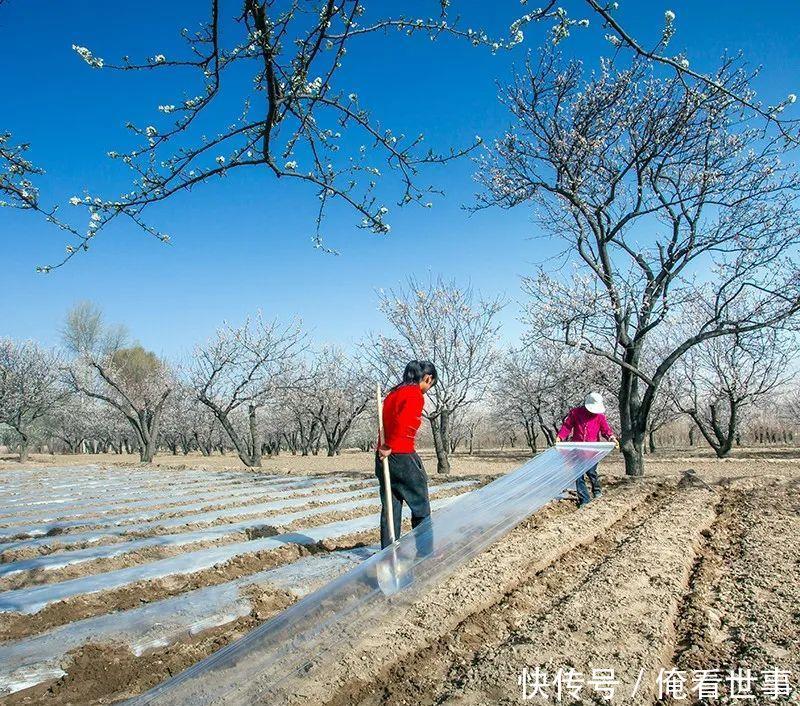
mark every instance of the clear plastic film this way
{"type": "Point", "coordinates": [36, 659]}
{"type": "Point", "coordinates": [271, 664]}
{"type": "Point", "coordinates": [32, 599]}
{"type": "Point", "coordinates": [286, 501]}
{"type": "Point", "coordinates": [125, 510]}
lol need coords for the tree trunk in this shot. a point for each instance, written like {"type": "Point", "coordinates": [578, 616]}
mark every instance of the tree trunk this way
{"type": "Point", "coordinates": [651, 441]}
{"type": "Point", "coordinates": [723, 449]}
{"type": "Point", "coordinates": [255, 446]}
{"type": "Point", "coordinates": [444, 424]}
{"type": "Point", "coordinates": [24, 448]}
{"type": "Point", "coordinates": [442, 460]}
{"type": "Point", "coordinates": [147, 432]}
{"type": "Point", "coordinates": [633, 453]}
{"type": "Point", "coordinates": [147, 444]}
{"type": "Point", "coordinates": [634, 413]}
{"type": "Point", "coordinates": [332, 441]}
{"type": "Point", "coordinates": [530, 435]}
{"type": "Point", "coordinates": [147, 451]}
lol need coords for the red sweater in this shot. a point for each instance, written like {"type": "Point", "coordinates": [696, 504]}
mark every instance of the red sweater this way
{"type": "Point", "coordinates": [402, 415]}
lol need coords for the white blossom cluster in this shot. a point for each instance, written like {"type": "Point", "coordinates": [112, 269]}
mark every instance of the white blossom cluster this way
{"type": "Point", "coordinates": [93, 61]}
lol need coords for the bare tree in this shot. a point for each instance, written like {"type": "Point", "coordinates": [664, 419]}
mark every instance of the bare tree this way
{"type": "Point", "coordinates": [78, 421]}
{"type": "Point", "coordinates": [131, 380]}
{"type": "Point", "coordinates": [650, 182]}
{"type": "Point", "coordinates": [662, 413]}
{"type": "Point", "coordinates": [535, 386]}
{"type": "Point", "coordinates": [240, 370]}
{"type": "Point", "coordinates": [453, 328]}
{"type": "Point", "coordinates": [790, 406]}
{"type": "Point", "coordinates": [31, 386]}
{"type": "Point", "coordinates": [726, 376]}
{"type": "Point", "coordinates": [464, 427]}
{"type": "Point", "coordinates": [185, 418]}
{"type": "Point", "coordinates": [336, 395]}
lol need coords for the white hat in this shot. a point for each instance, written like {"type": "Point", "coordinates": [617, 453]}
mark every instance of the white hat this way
{"type": "Point", "coordinates": [594, 403]}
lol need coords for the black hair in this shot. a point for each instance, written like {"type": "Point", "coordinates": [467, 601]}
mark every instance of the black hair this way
{"type": "Point", "coordinates": [416, 370]}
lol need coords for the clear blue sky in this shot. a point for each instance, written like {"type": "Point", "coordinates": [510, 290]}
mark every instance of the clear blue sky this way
{"type": "Point", "coordinates": [244, 243]}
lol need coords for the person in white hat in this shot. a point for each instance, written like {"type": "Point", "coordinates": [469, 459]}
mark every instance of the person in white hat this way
{"type": "Point", "coordinates": [587, 423]}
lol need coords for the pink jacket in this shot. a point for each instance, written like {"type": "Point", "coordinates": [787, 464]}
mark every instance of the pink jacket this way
{"type": "Point", "coordinates": [583, 425]}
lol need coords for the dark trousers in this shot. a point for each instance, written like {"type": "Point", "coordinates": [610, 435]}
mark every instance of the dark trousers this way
{"type": "Point", "coordinates": [580, 485]}
{"type": "Point", "coordinates": [409, 484]}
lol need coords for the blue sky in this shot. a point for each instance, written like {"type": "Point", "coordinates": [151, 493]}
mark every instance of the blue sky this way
{"type": "Point", "coordinates": [244, 243]}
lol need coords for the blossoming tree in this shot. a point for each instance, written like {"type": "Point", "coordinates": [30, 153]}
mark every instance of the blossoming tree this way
{"type": "Point", "coordinates": [337, 392]}
{"type": "Point", "coordinates": [724, 378]}
{"type": "Point", "coordinates": [31, 387]}
{"type": "Point", "coordinates": [299, 114]}
{"type": "Point", "coordinates": [666, 196]}
{"type": "Point", "coordinates": [536, 385]}
{"type": "Point", "coordinates": [240, 371]}
{"type": "Point", "coordinates": [451, 327]}
{"type": "Point", "coordinates": [128, 378]}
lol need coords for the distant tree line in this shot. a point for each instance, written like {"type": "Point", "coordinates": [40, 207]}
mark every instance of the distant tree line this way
{"type": "Point", "coordinates": [262, 388]}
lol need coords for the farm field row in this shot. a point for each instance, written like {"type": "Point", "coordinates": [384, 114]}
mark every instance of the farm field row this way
{"type": "Point", "coordinates": [142, 568]}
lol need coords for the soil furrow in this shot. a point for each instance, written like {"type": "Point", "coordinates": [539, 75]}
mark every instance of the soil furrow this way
{"type": "Point", "coordinates": [526, 551]}
{"type": "Point", "coordinates": [446, 661]}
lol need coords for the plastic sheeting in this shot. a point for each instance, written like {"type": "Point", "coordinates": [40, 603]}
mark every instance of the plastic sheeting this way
{"type": "Point", "coordinates": [112, 485]}
{"type": "Point", "coordinates": [125, 492]}
{"type": "Point", "coordinates": [271, 663]}
{"type": "Point", "coordinates": [283, 499]}
{"type": "Point", "coordinates": [214, 532]}
{"type": "Point", "coordinates": [185, 500]}
{"type": "Point", "coordinates": [31, 661]}
{"type": "Point", "coordinates": [33, 598]}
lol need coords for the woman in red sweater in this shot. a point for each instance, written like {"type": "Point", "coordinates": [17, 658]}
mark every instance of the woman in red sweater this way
{"type": "Point", "coordinates": [402, 416]}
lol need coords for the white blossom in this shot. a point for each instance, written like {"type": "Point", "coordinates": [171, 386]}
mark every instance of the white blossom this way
{"type": "Point", "coordinates": [314, 87]}
{"type": "Point", "coordinates": [93, 61]}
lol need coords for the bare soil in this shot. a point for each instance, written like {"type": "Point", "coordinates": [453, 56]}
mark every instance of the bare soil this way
{"type": "Point", "coordinates": [659, 572]}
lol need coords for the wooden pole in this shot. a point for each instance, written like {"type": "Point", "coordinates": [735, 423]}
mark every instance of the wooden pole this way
{"type": "Point", "coordinates": [387, 486]}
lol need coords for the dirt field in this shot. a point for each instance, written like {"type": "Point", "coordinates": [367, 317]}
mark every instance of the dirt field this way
{"type": "Point", "coordinates": [658, 573]}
